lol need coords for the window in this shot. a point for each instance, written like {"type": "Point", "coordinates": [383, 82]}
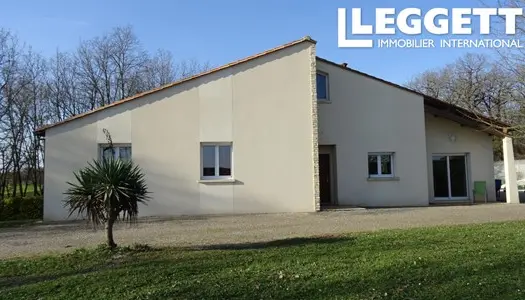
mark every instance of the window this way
{"type": "Point", "coordinates": [216, 161]}
{"type": "Point", "coordinates": [322, 87]}
{"type": "Point", "coordinates": [381, 164]}
{"type": "Point", "coordinates": [119, 151]}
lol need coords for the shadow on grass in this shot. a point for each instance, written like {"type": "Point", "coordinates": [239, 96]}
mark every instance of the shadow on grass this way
{"type": "Point", "coordinates": [104, 259]}
{"type": "Point", "coordinates": [123, 257]}
{"type": "Point", "coordinates": [249, 275]}
{"type": "Point", "coordinates": [290, 242]}
{"type": "Point", "coordinates": [10, 282]}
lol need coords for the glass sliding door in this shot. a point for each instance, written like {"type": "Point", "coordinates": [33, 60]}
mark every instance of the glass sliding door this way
{"type": "Point", "coordinates": [450, 177]}
{"type": "Point", "coordinates": [440, 176]}
{"type": "Point", "coordinates": [458, 176]}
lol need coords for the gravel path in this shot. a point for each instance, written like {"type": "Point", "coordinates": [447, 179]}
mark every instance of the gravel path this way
{"type": "Point", "coordinates": [217, 230]}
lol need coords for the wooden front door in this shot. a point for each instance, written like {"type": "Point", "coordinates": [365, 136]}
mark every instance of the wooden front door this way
{"type": "Point", "coordinates": [325, 186]}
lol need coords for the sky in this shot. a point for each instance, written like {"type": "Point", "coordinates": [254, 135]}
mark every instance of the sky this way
{"type": "Point", "coordinates": [219, 32]}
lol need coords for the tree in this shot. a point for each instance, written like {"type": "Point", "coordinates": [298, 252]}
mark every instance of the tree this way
{"type": "Point", "coordinates": [37, 90]}
{"type": "Point", "coordinates": [107, 190]}
{"type": "Point", "coordinates": [474, 82]}
{"type": "Point", "coordinates": [513, 61]}
{"type": "Point", "coordinates": [480, 85]}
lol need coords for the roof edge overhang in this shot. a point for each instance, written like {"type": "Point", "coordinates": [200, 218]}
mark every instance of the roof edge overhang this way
{"type": "Point", "coordinates": [466, 118]}
{"type": "Point", "coordinates": [443, 109]}
{"type": "Point", "coordinates": [432, 105]}
{"type": "Point", "coordinates": [42, 130]}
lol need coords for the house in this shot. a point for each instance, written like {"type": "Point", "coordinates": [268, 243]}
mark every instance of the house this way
{"type": "Point", "coordinates": [282, 131]}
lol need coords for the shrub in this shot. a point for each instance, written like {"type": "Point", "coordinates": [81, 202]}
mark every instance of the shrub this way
{"type": "Point", "coordinates": [106, 191]}
{"type": "Point", "coordinates": [22, 208]}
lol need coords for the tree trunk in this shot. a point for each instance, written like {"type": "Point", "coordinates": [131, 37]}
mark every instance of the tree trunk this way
{"type": "Point", "coordinates": [19, 175]}
{"type": "Point", "coordinates": [109, 232]}
{"type": "Point", "coordinates": [35, 183]}
{"type": "Point", "coordinates": [25, 188]}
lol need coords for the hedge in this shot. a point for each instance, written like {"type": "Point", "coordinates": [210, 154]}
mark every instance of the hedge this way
{"type": "Point", "coordinates": [22, 208]}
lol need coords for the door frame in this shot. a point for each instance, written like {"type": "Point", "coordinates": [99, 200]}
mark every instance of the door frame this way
{"type": "Point", "coordinates": [467, 177]}
{"type": "Point", "coordinates": [331, 151]}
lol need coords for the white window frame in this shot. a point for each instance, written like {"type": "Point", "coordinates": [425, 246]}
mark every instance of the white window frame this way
{"type": "Point", "coordinates": [327, 99]}
{"type": "Point", "coordinates": [379, 172]}
{"type": "Point", "coordinates": [217, 165]}
{"type": "Point", "coordinates": [116, 147]}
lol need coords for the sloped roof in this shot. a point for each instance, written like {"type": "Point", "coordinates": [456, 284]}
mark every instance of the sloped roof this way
{"type": "Point", "coordinates": [441, 108]}
{"type": "Point", "coordinates": [432, 105]}
{"type": "Point", "coordinates": [41, 131]}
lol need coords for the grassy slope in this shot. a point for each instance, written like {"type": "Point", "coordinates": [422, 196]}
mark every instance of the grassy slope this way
{"type": "Point", "coordinates": [468, 262]}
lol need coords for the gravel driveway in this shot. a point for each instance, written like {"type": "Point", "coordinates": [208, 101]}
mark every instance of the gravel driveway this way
{"type": "Point", "coordinates": [215, 230]}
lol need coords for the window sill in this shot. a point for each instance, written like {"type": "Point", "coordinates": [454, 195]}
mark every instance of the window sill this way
{"type": "Point", "coordinates": [323, 101]}
{"type": "Point", "coordinates": [218, 180]}
{"type": "Point", "coordinates": [382, 179]}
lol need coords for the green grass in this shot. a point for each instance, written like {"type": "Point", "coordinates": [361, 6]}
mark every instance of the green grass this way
{"type": "Point", "coordinates": [30, 190]}
{"type": "Point", "coordinates": [467, 262]}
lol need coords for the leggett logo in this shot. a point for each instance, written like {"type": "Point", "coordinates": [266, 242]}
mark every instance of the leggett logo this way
{"type": "Point", "coordinates": [436, 21]}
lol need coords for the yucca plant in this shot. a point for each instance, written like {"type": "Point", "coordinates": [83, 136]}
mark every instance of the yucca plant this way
{"type": "Point", "coordinates": [106, 191]}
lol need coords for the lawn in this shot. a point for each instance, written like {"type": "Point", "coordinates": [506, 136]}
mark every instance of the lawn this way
{"type": "Point", "coordinates": [464, 262]}
{"type": "Point", "coordinates": [30, 189]}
